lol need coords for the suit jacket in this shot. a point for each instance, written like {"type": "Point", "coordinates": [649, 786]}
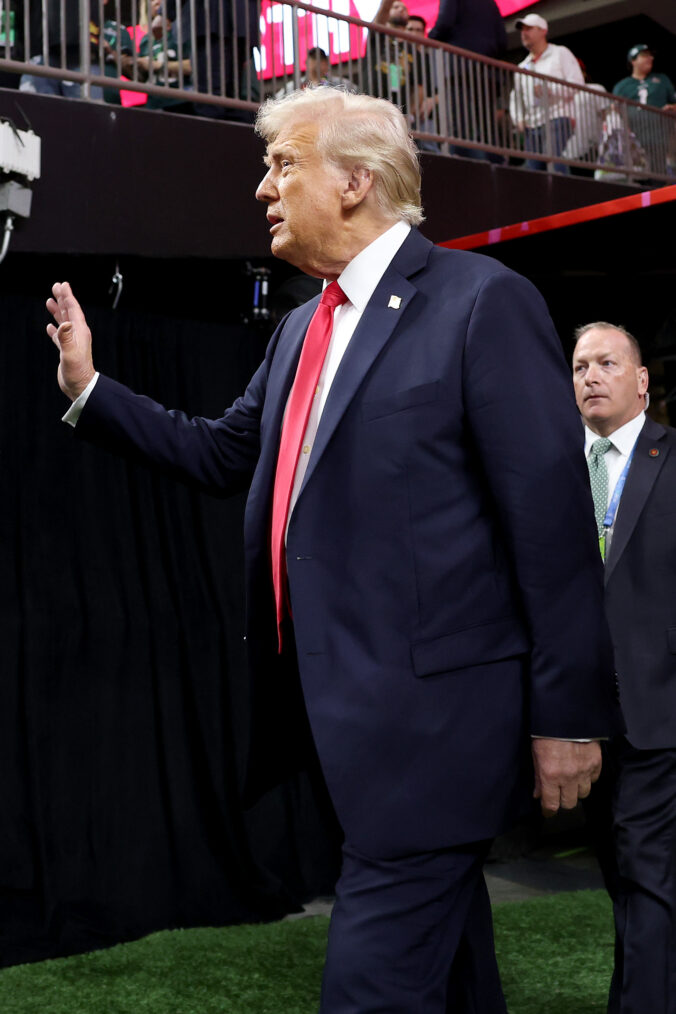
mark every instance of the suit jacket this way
{"type": "Point", "coordinates": [444, 574]}
{"type": "Point", "coordinates": [641, 591]}
{"type": "Point", "coordinates": [210, 14]}
{"type": "Point", "coordinates": [476, 25]}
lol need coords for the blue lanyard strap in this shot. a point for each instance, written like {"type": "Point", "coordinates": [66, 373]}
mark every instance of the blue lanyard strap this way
{"type": "Point", "coordinates": [609, 519]}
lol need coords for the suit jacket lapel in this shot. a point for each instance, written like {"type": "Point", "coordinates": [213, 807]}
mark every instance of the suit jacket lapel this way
{"type": "Point", "coordinates": [374, 330]}
{"type": "Point", "coordinates": [645, 467]}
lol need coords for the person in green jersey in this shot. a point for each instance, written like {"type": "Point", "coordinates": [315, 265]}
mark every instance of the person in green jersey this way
{"type": "Point", "coordinates": [159, 60]}
{"type": "Point", "coordinates": [649, 88]}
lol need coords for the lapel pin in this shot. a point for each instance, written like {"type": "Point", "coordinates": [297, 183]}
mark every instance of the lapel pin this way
{"type": "Point", "coordinates": [394, 303]}
{"type": "Point", "coordinates": [653, 452]}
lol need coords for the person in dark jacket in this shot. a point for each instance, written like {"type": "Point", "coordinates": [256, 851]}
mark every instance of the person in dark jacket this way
{"type": "Point", "coordinates": [476, 25]}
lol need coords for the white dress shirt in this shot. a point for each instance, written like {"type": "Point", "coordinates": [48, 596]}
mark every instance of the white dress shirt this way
{"type": "Point", "coordinates": [358, 281]}
{"type": "Point", "coordinates": [616, 457]}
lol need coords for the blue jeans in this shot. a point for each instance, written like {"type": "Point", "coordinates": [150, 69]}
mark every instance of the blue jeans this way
{"type": "Point", "coordinates": [535, 140]}
{"type": "Point", "coordinates": [39, 85]}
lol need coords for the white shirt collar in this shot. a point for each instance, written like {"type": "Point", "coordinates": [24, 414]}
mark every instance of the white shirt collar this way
{"type": "Point", "coordinates": [361, 276]}
{"type": "Point", "coordinates": [547, 51]}
{"type": "Point", "coordinates": [623, 439]}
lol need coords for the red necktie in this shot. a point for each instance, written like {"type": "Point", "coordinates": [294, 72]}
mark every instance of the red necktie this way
{"type": "Point", "coordinates": [293, 430]}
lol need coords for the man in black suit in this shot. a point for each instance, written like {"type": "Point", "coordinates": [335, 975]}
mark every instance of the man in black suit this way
{"type": "Point", "coordinates": [219, 36]}
{"type": "Point", "coordinates": [632, 464]}
{"type": "Point", "coordinates": [471, 24]}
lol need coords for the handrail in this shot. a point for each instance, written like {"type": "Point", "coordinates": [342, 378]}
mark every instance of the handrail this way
{"type": "Point", "coordinates": [456, 101]}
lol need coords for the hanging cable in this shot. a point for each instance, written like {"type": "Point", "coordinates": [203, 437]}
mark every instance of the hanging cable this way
{"type": "Point", "coordinates": [7, 235]}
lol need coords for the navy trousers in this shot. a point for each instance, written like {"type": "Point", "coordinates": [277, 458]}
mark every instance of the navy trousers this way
{"type": "Point", "coordinates": [412, 936]}
{"type": "Point", "coordinates": [633, 818]}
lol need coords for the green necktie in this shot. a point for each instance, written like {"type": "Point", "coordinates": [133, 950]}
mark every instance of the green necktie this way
{"type": "Point", "coordinates": [598, 475]}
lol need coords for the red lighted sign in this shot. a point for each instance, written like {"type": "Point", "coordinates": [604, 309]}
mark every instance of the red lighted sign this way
{"type": "Point", "coordinates": [279, 49]}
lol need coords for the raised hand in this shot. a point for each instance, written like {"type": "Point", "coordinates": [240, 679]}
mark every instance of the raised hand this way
{"type": "Point", "coordinates": [72, 338]}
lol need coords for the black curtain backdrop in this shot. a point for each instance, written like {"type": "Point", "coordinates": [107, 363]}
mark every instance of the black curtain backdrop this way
{"type": "Point", "coordinates": [123, 704]}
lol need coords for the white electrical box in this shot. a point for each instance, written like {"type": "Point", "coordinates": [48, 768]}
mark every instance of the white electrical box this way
{"type": "Point", "coordinates": [19, 152]}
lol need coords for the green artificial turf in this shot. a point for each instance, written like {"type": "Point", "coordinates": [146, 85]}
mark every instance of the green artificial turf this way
{"type": "Point", "coordinates": [555, 956]}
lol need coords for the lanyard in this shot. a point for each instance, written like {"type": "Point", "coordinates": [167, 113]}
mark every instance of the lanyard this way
{"type": "Point", "coordinates": [609, 519]}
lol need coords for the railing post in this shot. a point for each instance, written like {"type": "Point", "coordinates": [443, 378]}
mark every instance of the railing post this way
{"type": "Point", "coordinates": [626, 144]}
{"type": "Point", "coordinates": [442, 93]}
{"type": "Point", "coordinates": [296, 47]}
{"type": "Point", "coordinates": [548, 130]}
{"type": "Point", "coordinates": [85, 47]}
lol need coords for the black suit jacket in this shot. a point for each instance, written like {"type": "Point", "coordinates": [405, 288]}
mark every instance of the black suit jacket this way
{"type": "Point", "coordinates": [210, 15]}
{"type": "Point", "coordinates": [641, 591]}
{"type": "Point", "coordinates": [476, 25]}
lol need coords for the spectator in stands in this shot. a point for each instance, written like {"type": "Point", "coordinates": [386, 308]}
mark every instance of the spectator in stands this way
{"type": "Point", "coordinates": [589, 112]}
{"type": "Point", "coordinates": [643, 85]}
{"type": "Point", "coordinates": [650, 89]}
{"type": "Point", "coordinates": [476, 25]}
{"type": "Point", "coordinates": [109, 47]}
{"type": "Point", "coordinates": [425, 121]}
{"type": "Point", "coordinates": [225, 33]}
{"type": "Point", "coordinates": [397, 72]}
{"type": "Point", "coordinates": [163, 64]}
{"type": "Point", "coordinates": [317, 72]}
{"type": "Point", "coordinates": [544, 112]}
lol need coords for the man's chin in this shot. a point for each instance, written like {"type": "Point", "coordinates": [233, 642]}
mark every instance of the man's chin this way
{"type": "Point", "coordinates": [278, 248]}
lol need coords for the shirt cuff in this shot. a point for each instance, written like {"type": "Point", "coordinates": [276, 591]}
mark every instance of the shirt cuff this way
{"type": "Point", "coordinates": [564, 739]}
{"type": "Point", "coordinates": [75, 411]}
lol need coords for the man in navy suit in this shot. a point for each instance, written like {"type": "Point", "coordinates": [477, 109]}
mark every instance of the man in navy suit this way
{"type": "Point", "coordinates": [633, 469]}
{"type": "Point", "coordinates": [443, 600]}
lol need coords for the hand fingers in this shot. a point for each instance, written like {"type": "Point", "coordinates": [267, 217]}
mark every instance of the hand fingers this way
{"type": "Point", "coordinates": [583, 789]}
{"type": "Point", "coordinates": [64, 334]}
{"type": "Point", "coordinates": [565, 797]}
{"type": "Point", "coordinates": [550, 801]}
{"type": "Point", "coordinates": [569, 796]}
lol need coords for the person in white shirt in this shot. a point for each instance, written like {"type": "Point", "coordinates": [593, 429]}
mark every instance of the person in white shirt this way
{"type": "Point", "coordinates": [632, 464]}
{"type": "Point", "coordinates": [544, 112]}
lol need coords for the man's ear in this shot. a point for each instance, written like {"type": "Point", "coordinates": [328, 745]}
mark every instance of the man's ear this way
{"type": "Point", "coordinates": [643, 379]}
{"type": "Point", "coordinates": [359, 183]}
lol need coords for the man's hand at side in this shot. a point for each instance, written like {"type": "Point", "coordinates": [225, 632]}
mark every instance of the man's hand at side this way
{"type": "Point", "coordinates": [73, 339]}
{"type": "Point", "coordinates": [564, 772]}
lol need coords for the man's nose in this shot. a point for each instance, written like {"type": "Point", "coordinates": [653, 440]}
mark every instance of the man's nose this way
{"type": "Point", "coordinates": [266, 190]}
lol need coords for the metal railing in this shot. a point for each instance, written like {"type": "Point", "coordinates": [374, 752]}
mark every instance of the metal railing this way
{"type": "Point", "coordinates": [229, 54]}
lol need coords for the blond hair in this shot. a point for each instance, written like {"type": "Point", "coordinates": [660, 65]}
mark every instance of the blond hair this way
{"type": "Point", "coordinates": [356, 131]}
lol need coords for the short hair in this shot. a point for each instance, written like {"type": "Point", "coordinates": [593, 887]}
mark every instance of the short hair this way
{"type": "Point", "coordinates": [356, 130]}
{"type": "Point", "coordinates": [420, 18]}
{"type": "Point", "coordinates": [604, 325]}
{"type": "Point", "coordinates": [316, 54]}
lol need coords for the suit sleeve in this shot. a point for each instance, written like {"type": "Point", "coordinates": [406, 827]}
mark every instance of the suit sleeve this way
{"type": "Point", "coordinates": [524, 421]}
{"type": "Point", "coordinates": [445, 23]}
{"type": "Point", "coordinates": [218, 456]}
